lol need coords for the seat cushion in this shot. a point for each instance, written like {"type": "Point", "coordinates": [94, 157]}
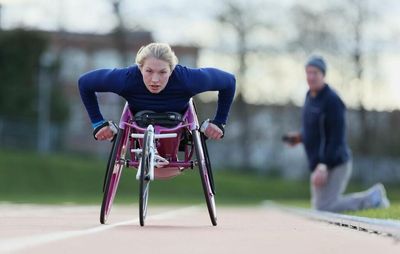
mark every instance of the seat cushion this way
{"type": "Point", "coordinates": [166, 119]}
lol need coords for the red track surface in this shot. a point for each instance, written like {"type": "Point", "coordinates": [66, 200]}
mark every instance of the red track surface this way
{"type": "Point", "coordinates": [75, 229]}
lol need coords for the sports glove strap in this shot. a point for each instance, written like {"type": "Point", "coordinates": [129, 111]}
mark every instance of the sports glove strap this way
{"type": "Point", "coordinates": [111, 124]}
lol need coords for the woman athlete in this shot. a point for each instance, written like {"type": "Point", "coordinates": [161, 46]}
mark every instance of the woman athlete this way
{"type": "Point", "coordinates": [157, 83]}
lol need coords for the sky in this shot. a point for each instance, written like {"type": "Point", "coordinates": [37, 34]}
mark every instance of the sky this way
{"type": "Point", "coordinates": [193, 23]}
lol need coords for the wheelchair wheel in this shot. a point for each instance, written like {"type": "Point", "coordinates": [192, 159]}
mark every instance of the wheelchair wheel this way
{"type": "Point", "coordinates": [205, 175]}
{"type": "Point", "coordinates": [113, 174]}
{"type": "Point", "coordinates": [144, 181]}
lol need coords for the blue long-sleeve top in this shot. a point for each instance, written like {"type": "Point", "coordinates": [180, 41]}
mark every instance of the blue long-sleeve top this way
{"type": "Point", "coordinates": [324, 129]}
{"type": "Point", "coordinates": [183, 84]}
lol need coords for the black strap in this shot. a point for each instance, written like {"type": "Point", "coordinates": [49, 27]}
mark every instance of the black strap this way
{"type": "Point", "coordinates": [108, 123]}
{"type": "Point", "coordinates": [98, 128]}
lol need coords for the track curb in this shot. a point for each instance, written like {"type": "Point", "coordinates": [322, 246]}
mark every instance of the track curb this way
{"type": "Point", "coordinates": [377, 226]}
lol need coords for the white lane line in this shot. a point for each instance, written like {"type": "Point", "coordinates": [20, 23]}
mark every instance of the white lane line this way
{"type": "Point", "coordinates": [19, 243]}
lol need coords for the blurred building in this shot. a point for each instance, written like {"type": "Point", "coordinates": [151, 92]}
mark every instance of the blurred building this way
{"type": "Point", "coordinates": [269, 155]}
{"type": "Point", "coordinates": [78, 53]}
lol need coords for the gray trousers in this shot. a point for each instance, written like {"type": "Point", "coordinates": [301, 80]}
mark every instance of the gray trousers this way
{"type": "Point", "coordinates": [330, 196]}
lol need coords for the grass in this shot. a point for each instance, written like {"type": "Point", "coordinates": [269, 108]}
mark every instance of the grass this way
{"type": "Point", "coordinates": [26, 177]}
{"type": "Point", "coordinates": [59, 178]}
{"type": "Point", "coordinates": [393, 212]}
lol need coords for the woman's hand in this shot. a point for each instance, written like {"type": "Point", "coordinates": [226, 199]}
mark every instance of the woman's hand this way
{"type": "Point", "coordinates": [105, 133]}
{"type": "Point", "coordinates": [212, 131]}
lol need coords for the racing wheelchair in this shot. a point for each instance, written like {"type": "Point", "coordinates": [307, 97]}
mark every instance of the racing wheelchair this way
{"type": "Point", "coordinates": [149, 142]}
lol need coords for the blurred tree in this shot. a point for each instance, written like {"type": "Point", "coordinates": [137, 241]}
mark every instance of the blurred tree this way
{"type": "Point", "coordinates": [359, 18]}
{"type": "Point", "coordinates": [20, 52]}
{"type": "Point", "coordinates": [243, 18]}
{"type": "Point", "coordinates": [19, 57]}
{"type": "Point", "coordinates": [120, 31]}
{"type": "Point", "coordinates": [1, 16]}
{"type": "Point", "coordinates": [314, 30]}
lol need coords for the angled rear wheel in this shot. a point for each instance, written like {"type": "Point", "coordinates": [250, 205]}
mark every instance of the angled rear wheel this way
{"type": "Point", "coordinates": [113, 174]}
{"type": "Point", "coordinates": [205, 174]}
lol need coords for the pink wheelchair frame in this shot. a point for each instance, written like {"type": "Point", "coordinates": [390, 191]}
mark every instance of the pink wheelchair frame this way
{"type": "Point", "coordinates": [166, 164]}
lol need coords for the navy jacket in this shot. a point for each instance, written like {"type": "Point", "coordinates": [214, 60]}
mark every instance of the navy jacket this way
{"type": "Point", "coordinates": [324, 129]}
{"type": "Point", "coordinates": [183, 84]}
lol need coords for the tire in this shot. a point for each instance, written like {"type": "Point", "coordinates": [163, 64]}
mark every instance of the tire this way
{"type": "Point", "coordinates": [113, 173]}
{"type": "Point", "coordinates": [144, 181]}
{"type": "Point", "coordinates": [208, 162]}
{"type": "Point", "coordinates": [205, 175]}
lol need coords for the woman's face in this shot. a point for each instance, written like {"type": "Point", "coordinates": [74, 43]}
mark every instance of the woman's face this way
{"type": "Point", "coordinates": [155, 74]}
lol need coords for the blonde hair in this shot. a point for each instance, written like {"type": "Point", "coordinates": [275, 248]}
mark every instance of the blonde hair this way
{"type": "Point", "coordinates": [161, 51]}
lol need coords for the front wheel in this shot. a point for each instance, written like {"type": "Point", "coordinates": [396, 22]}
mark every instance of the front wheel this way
{"type": "Point", "coordinates": [205, 175]}
{"type": "Point", "coordinates": [144, 180]}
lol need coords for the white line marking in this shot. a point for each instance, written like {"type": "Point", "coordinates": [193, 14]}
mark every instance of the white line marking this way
{"type": "Point", "coordinates": [19, 243]}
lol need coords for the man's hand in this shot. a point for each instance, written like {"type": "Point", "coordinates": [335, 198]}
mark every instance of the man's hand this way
{"type": "Point", "coordinates": [292, 138]}
{"type": "Point", "coordinates": [320, 176]}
